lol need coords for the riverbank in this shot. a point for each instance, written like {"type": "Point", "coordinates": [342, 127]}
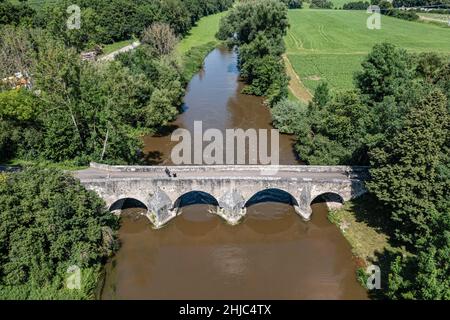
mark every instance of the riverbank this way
{"type": "Point", "coordinates": [192, 60]}
{"type": "Point", "coordinates": [361, 226]}
{"type": "Point", "coordinates": [201, 40]}
{"type": "Point", "coordinates": [369, 232]}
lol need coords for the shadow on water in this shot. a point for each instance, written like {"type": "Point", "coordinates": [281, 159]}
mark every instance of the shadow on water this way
{"type": "Point", "coordinates": [127, 203]}
{"type": "Point", "coordinates": [195, 197]}
{"type": "Point", "coordinates": [166, 130]}
{"type": "Point", "coordinates": [153, 158]}
{"type": "Point", "coordinates": [328, 197]}
{"type": "Point", "coordinates": [272, 195]}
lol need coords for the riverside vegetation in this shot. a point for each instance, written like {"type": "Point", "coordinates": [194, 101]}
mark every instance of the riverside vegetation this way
{"type": "Point", "coordinates": [395, 119]}
{"type": "Point", "coordinates": [74, 112]}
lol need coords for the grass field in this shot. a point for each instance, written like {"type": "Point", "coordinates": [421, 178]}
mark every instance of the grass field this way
{"type": "Point", "coordinates": [203, 33]}
{"type": "Point", "coordinates": [117, 45]}
{"type": "Point", "coordinates": [329, 45]}
{"type": "Point", "coordinates": [36, 4]}
{"type": "Point", "coordinates": [196, 45]}
{"type": "Point", "coordinates": [340, 3]}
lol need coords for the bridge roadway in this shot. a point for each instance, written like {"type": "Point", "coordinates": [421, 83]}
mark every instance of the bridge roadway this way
{"type": "Point", "coordinates": [182, 173]}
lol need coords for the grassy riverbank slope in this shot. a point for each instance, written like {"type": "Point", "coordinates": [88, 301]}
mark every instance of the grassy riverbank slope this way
{"type": "Point", "coordinates": [203, 33]}
{"type": "Point", "coordinates": [370, 234]}
{"type": "Point", "coordinates": [329, 45]}
{"type": "Point", "coordinates": [361, 225]}
{"type": "Point", "coordinates": [194, 47]}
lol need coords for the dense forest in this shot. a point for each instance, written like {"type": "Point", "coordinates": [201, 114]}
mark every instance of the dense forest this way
{"type": "Point", "coordinates": [49, 223]}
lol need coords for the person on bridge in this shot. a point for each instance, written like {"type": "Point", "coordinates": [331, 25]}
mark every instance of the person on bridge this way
{"type": "Point", "coordinates": [167, 171]}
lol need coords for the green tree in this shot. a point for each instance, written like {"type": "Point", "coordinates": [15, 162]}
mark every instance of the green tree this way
{"type": "Point", "coordinates": [341, 126]}
{"type": "Point", "coordinates": [19, 129]}
{"type": "Point", "coordinates": [426, 275]}
{"type": "Point", "coordinates": [290, 117]}
{"type": "Point", "coordinates": [49, 222]}
{"type": "Point", "coordinates": [160, 109]}
{"type": "Point", "coordinates": [321, 95]}
{"type": "Point", "coordinates": [404, 171]}
{"type": "Point", "coordinates": [246, 19]}
{"type": "Point", "coordinates": [293, 4]}
{"type": "Point", "coordinates": [429, 65]}
{"type": "Point", "coordinates": [384, 69]}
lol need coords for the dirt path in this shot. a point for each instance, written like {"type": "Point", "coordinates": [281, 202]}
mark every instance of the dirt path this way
{"type": "Point", "coordinates": [435, 19]}
{"type": "Point", "coordinates": [112, 55]}
{"type": "Point", "coordinates": [296, 86]}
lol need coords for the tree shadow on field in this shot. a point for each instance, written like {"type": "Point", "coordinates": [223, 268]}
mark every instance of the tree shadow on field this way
{"type": "Point", "coordinates": [369, 211]}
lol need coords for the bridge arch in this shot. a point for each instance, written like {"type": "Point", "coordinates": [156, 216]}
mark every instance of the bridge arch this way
{"type": "Point", "coordinates": [203, 222]}
{"type": "Point", "coordinates": [125, 203]}
{"type": "Point", "coordinates": [333, 200]}
{"type": "Point", "coordinates": [272, 195]}
{"type": "Point", "coordinates": [195, 197]}
{"type": "Point", "coordinates": [328, 196]}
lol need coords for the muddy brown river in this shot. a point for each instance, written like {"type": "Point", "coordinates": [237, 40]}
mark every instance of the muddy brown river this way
{"type": "Point", "coordinates": [272, 254]}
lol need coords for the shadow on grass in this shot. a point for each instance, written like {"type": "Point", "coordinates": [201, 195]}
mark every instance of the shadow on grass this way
{"type": "Point", "coordinates": [369, 211]}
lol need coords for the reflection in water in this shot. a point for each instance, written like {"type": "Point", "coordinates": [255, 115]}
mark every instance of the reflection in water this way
{"type": "Point", "coordinates": [273, 254]}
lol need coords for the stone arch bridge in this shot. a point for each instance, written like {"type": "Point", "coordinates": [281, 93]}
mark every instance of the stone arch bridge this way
{"type": "Point", "coordinates": [230, 188]}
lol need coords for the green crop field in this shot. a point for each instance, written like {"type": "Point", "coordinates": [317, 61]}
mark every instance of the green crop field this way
{"type": "Point", "coordinates": [340, 3]}
{"type": "Point", "coordinates": [329, 45]}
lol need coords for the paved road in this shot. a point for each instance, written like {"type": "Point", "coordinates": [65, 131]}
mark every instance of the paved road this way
{"type": "Point", "coordinates": [210, 172]}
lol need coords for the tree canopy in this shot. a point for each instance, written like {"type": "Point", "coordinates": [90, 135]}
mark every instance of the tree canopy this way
{"type": "Point", "coordinates": [49, 222]}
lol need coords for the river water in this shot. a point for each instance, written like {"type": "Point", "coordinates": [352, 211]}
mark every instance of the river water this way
{"type": "Point", "coordinates": [272, 254]}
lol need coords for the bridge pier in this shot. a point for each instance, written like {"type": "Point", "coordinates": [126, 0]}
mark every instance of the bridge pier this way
{"type": "Point", "coordinates": [303, 209]}
{"type": "Point", "coordinates": [304, 212]}
{"type": "Point", "coordinates": [232, 207]}
{"type": "Point", "coordinates": [160, 209]}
